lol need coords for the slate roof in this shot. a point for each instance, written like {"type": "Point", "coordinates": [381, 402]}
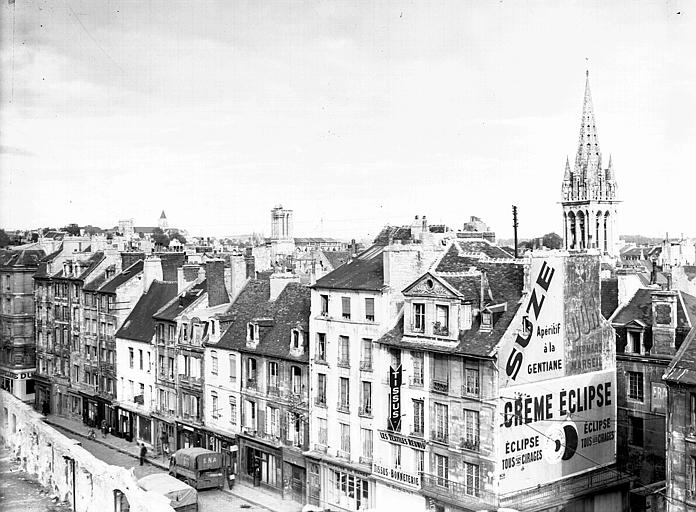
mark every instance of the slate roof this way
{"type": "Point", "coordinates": [112, 284]}
{"type": "Point", "coordinates": [682, 369]}
{"type": "Point", "coordinates": [463, 254]}
{"type": "Point", "coordinates": [640, 308]}
{"type": "Point", "coordinates": [22, 258]}
{"type": "Point", "coordinates": [140, 324]}
{"type": "Point", "coordinates": [337, 258]}
{"type": "Point", "coordinates": [609, 290]}
{"type": "Point", "coordinates": [364, 272]}
{"type": "Point", "coordinates": [393, 233]}
{"type": "Point", "coordinates": [290, 310]}
{"type": "Point", "coordinates": [178, 304]}
{"type": "Point", "coordinates": [315, 240]}
{"type": "Point", "coordinates": [505, 281]}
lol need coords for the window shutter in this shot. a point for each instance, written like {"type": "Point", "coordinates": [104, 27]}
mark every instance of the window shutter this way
{"type": "Point", "coordinates": [180, 363]}
{"type": "Point", "coordinates": [370, 307]}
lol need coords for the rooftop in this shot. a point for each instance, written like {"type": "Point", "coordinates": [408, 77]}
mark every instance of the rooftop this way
{"type": "Point", "coordinates": [364, 272]}
{"type": "Point", "coordinates": [140, 324]}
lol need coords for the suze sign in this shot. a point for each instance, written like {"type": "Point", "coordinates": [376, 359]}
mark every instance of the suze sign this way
{"type": "Point", "coordinates": [536, 350]}
{"type": "Point", "coordinates": [395, 377]}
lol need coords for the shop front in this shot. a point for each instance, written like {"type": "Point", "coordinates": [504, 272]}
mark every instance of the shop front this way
{"type": "Point", "coordinates": [338, 485]}
{"type": "Point", "coordinates": [294, 475]}
{"type": "Point", "coordinates": [188, 436]}
{"type": "Point", "coordinates": [42, 395]}
{"type": "Point", "coordinates": [18, 382]}
{"type": "Point", "coordinates": [144, 429]}
{"type": "Point", "coordinates": [126, 420]}
{"type": "Point", "coordinates": [260, 464]}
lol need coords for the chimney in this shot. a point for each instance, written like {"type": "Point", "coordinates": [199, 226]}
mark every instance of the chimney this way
{"type": "Point", "coordinates": [215, 279]}
{"type": "Point", "coordinates": [187, 274]}
{"type": "Point", "coordinates": [664, 313]}
{"type": "Point", "coordinates": [235, 276]}
{"type": "Point", "coordinates": [250, 263]}
{"type": "Point", "coordinates": [152, 269]}
{"type": "Point", "coordinates": [353, 248]}
{"type": "Point", "coordinates": [279, 281]}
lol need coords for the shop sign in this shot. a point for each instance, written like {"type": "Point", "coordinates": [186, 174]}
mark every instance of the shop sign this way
{"type": "Point", "coordinates": [658, 402]}
{"type": "Point", "coordinates": [392, 437]}
{"type": "Point", "coordinates": [11, 375]}
{"type": "Point", "coordinates": [396, 475]}
{"type": "Point", "coordinates": [395, 377]}
{"type": "Point", "coordinates": [555, 430]}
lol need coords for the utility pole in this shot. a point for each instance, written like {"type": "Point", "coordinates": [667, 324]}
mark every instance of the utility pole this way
{"type": "Point", "coordinates": [514, 226]}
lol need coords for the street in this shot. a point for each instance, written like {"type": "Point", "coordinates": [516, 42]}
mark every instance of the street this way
{"type": "Point", "coordinates": [208, 500]}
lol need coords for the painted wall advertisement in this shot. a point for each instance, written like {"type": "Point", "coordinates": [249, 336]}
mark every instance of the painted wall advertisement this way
{"type": "Point", "coordinates": [556, 429]}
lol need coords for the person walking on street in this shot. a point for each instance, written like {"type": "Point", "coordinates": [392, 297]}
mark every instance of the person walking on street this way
{"type": "Point", "coordinates": [104, 428]}
{"type": "Point", "coordinates": [143, 452]}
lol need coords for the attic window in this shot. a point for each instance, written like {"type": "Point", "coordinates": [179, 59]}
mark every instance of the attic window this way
{"type": "Point", "coordinates": [252, 332]}
{"type": "Point", "coordinates": [296, 339]}
{"type": "Point", "coordinates": [429, 283]}
{"type": "Point", "coordinates": [486, 320]}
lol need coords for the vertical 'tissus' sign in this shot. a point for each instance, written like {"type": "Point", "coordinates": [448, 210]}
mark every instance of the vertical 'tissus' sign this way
{"type": "Point", "coordinates": [394, 420]}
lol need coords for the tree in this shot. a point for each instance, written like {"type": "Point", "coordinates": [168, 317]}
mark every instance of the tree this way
{"type": "Point", "coordinates": [552, 241]}
{"type": "Point", "coordinates": [4, 239]}
{"type": "Point", "coordinates": [178, 236]}
{"type": "Point", "coordinates": [34, 237]}
{"type": "Point", "coordinates": [160, 238]}
{"type": "Point", "coordinates": [72, 229]}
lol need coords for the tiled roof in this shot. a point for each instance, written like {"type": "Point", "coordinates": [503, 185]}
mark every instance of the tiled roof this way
{"type": "Point", "coordinates": [365, 272]}
{"type": "Point", "coordinates": [609, 296]}
{"type": "Point", "coordinates": [140, 324]}
{"type": "Point", "coordinates": [315, 240]}
{"type": "Point", "coordinates": [682, 369]}
{"type": "Point", "coordinates": [464, 254]}
{"type": "Point", "coordinates": [112, 285]}
{"type": "Point", "coordinates": [178, 304]}
{"type": "Point", "coordinates": [23, 258]}
{"type": "Point", "coordinates": [290, 310]}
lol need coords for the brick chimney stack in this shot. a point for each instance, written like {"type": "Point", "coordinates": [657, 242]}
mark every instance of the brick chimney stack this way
{"type": "Point", "coordinates": [152, 270]}
{"type": "Point", "coordinates": [250, 263]}
{"type": "Point", "coordinates": [215, 279]}
{"type": "Point", "coordinates": [664, 311]}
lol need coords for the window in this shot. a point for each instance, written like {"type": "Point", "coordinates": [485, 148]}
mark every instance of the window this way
{"type": "Point", "coordinates": [471, 429]}
{"type": "Point", "coordinates": [296, 380]}
{"type": "Point", "coordinates": [692, 477]}
{"type": "Point", "coordinates": [366, 442]}
{"type": "Point", "coordinates": [418, 418]}
{"type": "Point", "coordinates": [214, 400]}
{"type": "Point", "coordinates": [213, 363]}
{"type": "Point", "coordinates": [273, 375]}
{"type": "Point", "coordinates": [252, 332]}
{"type": "Point", "coordinates": [130, 357]}
{"type": "Point", "coordinates": [251, 370]}
{"type": "Point", "coordinates": [348, 491]}
{"type": "Point", "coordinates": [472, 479]}
{"type": "Point", "coordinates": [171, 368]}
{"type": "Point", "coordinates": [272, 421]}
{"type": "Point", "coordinates": [441, 423]}
{"type": "Point", "coordinates": [366, 354]}
{"type": "Point", "coordinates": [441, 326]}
{"type": "Point", "coordinates": [420, 460]}
{"type": "Point", "coordinates": [250, 416]}
{"type": "Point", "coordinates": [633, 346]}
{"type": "Point", "coordinates": [343, 351]}
{"type": "Point", "coordinates": [140, 359]}
{"type": "Point", "coordinates": [442, 470]}
{"type": "Point", "coordinates": [323, 432]}
{"type": "Point", "coordinates": [635, 386]}
{"type": "Point", "coordinates": [344, 393]}
{"type": "Point", "coordinates": [692, 412]}
{"type": "Point", "coordinates": [345, 308]}
{"type": "Point", "coordinates": [396, 455]}
{"type": "Point", "coordinates": [417, 359]}
{"type": "Point", "coordinates": [369, 309]}
{"type": "Point", "coordinates": [471, 379]}
{"type": "Point", "coordinates": [324, 305]}
{"type": "Point", "coordinates": [366, 398]}
{"type": "Point", "coordinates": [321, 389]}
{"type": "Point", "coordinates": [296, 338]}
{"type": "Point", "coordinates": [345, 437]}
{"type": "Point", "coordinates": [635, 434]}
{"type": "Point", "coordinates": [418, 317]}
{"type": "Point", "coordinates": [233, 410]}
{"type": "Point", "coordinates": [233, 366]}
{"type": "Point", "coordinates": [321, 346]}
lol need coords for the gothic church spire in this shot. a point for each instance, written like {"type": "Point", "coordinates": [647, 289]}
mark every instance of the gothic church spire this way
{"type": "Point", "coordinates": [589, 157]}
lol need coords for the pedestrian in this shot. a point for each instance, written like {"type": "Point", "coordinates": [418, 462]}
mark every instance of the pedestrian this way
{"type": "Point", "coordinates": [104, 428]}
{"type": "Point", "coordinates": [143, 452]}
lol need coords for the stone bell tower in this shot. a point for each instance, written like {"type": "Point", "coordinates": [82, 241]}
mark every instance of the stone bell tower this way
{"type": "Point", "coordinates": [589, 191]}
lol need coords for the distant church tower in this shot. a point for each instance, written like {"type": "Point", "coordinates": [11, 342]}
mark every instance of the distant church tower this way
{"type": "Point", "coordinates": [589, 191]}
{"type": "Point", "coordinates": [163, 224]}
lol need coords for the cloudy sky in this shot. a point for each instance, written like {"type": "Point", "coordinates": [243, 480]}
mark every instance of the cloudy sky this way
{"type": "Point", "coordinates": [353, 114]}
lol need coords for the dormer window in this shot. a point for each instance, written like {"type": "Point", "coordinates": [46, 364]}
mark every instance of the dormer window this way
{"type": "Point", "coordinates": [466, 316]}
{"type": "Point", "coordinates": [252, 332]}
{"type": "Point", "coordinates": [296, 337]}
{"type": "Point", "coordinates": [419, 317]}
{"type": "Point", "coordinates": [486, 320]}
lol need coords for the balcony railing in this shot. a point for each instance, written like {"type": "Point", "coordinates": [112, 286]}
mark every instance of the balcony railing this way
{"type": "Point", "coordinates": [439, 436]}
{"type": "Point", "coordinates": [416, 382]}
{"type": "Point", "coordinates": [366, 366]}
{"type": "Point", "coordinates": [365, 460]}
{"type": "Point", "coordinates": [320, 401]}
{"type": "Point", "coordinates": [471, 496]}
{"type": "Point", "coordinates": [470, 444]}
{"type": "Point", "coordinates": [417, 433]}
{"type": "Point", "coordinates": [341, 407]}
{"type": "Point", "coordinates": [440, 330]}
{"type": "Point", "coordinates": [365, 410]}
{"type": "Point", "coordinates": [252, 384]}
{"type": "Point", "coordinates": [439, 386]}
{"type": "Point", "coordinates": [273, 390]}
{"type": "Point", "coordinates": [344, 363]}
{"type": "Point", "coordinates": [343, 454]}
{"type": "Point", "coordinates": [469, 392]}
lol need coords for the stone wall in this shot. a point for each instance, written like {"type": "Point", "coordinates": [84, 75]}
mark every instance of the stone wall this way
{"type": "Point", "coordinates": [68, 470]}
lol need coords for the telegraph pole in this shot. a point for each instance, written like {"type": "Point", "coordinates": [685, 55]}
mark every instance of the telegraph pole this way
{"type": "Point", "coordinates": [514, 226]}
